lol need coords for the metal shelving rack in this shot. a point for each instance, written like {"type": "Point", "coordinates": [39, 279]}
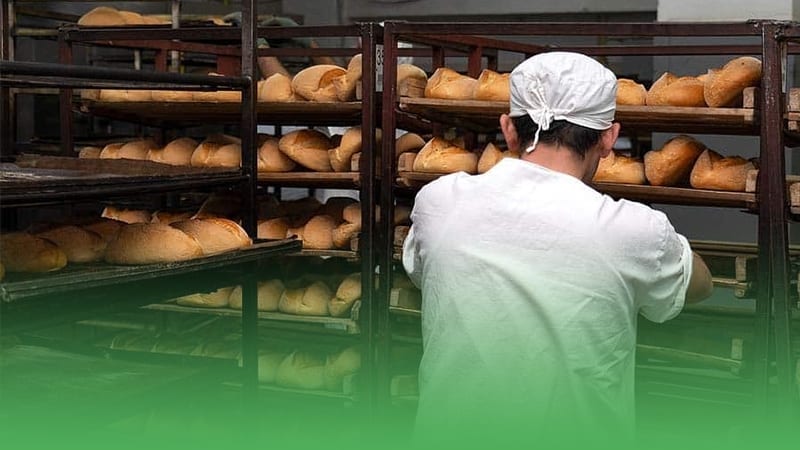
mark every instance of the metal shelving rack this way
{"type": "Point", "coordinates": [773, 310]}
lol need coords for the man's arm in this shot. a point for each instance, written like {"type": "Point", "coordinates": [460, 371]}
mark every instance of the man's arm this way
{"type": "Point", "coordinates": [700, 284]}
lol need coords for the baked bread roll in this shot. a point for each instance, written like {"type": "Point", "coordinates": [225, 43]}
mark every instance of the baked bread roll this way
{"type": "Point", "coordinates": [273, 228]}
{"type": "Point", "coordinates": [136, 150]}
{"type": "Point", "coordinates": [102, 16]}
{"type": "Point", "coordinates": [712, 171]}
{"type": "Point", "coordinates": [343, 235]}
{"type": "Point", "coordinates": [335, 207]}
{"type": "Point", "coordinates": [107, 229]}
{"type": "Point", "coordinates": [631, 93]}
{"type": "Point", "coordinates": [276, 88]}
{"type": "Point", "coordinates": [126, 215]}
{"type": "Point", "coordinates": [308, 301]}
{"type": "Point", "coordinates": [132, 18]}
{"type": "Point", "coordinates": [269, 295]}
{"type": "Point", "coordinates": [165, 96]}
{"type": "Point", "coordinates": [90, 152]}
{"type": "Point", "coordinates": [301, 371]}
{"type": "Point", "coordinates": [316, 82]}
{"type": "Point", "coordinates": [169, 217]}
{"type": "Point", "coordinates": [616, 168]}
{"type": "Point", "coordinates": [450, 85]}
{"type": "Point", "coordinates": [345, 85]}
{"type": "Point", "coordinates": [151, 243]}
{"type": "Point", "coordinates": [176, 153]}
{"type": "Point", "coordinates": [352, 213]}
{"type": "Point", "coordinates": [216, 299]}
{"type": "Point", "coordinates": [348, 292]}
{"type": "Point", "coordinates": [111, 150]}
{"type": "Point", "coordinates": [672, 164]}
{"type": "Point", "coordinates": [409, 142]}
{"type": "Point", "coordinates": [492, 155]}
{"type": "Point", "coordinates": [215, 235]}
{"type": "Point", "coordinates": [271, 159]}
{"type": "Point", "coordinates": [441, 156]}
{"type": "Point", "coordinates": [212, 153]}
{"type": "Point", "coordinates": [268, 364]}
{"type": "Point", "coordinates": [318, 233]}
{"type": "Point", "coordinates": [411, 81]}
{"type": "Point", "coordinates": [309, 148]}
{"type": "Point", "coordinates": [350, 145]}
{"type": "Point", "coordinates": [339, 366]}
{"type": "Point", "coordinates": [493, 86]}
{"type": "Point", "coordinates": [724, 87]}
{"type": "Point", "coordinates": [670, 90]}
{"type": "Point", "coordinates": [23, 252]}
{"type": "Point", "coordinates": [79, 244]}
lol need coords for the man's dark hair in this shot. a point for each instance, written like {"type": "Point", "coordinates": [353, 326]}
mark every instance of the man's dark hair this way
{"type": "Point", "coordinates": [561, 133]}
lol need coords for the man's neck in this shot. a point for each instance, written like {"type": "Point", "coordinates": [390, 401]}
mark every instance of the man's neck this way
{"type": "Point", "coordinates": [559, 159]}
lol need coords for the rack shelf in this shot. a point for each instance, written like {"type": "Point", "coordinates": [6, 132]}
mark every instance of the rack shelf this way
{"type": "Point", "coordinates": [312, 179]}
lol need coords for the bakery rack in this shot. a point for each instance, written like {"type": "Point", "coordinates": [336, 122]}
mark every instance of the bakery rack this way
{"type": "Point", "coordinates": [767, 119]}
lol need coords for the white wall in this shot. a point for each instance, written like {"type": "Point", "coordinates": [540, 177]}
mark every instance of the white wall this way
{"type": "Point", "coordinates": [725, 10]}
{"type": "Point", "coordinates": [406, 8]}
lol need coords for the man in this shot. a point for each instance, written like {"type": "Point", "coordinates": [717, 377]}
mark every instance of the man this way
{"type": "Point", "coordinates": [532, 281]}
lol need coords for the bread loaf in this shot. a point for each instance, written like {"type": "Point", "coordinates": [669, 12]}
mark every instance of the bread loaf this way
{"type": "Point", "coordinates": [724, 87]}
{"type": "Point", "coordinates": [670, 90]}
{"type": "Point", "coordinates": [216, 299]}
{"type": "Point", "coordinates": [339, 366]}
{"type": "Point", "coordinates": [176, 153]}
{"type": "Point", "coordinates": [132, 18]}
{"type": "Point", "coordinates": [309, 148]}
{"type": "Point", "coordinates": [409, 142]}
{"type": "Point", "coordinates": [169, 217]}
{"type": "Point", "coordinates": [217, 154]}
{"type": "Point", "coordinates": [276, 88]}
{"type": "Point", "coordinates": [131, 150]}
{"type": "Point", "coordinates": [411, 81]}
{"type": "Point", "coordinates": [631, 93]}
{"type": "Point", "coordinates": [350, 144]}
{"type": "Point", "coordinates": [126, 215]}
{"type": "Point", "coordinates": [165, 96]}
{"type": "Point", "coordinates": [107, 229]}
{"type": "Point", "coordinates": [301, 371]}
{"type": "Point", "coordinates": [268, 364]}
{"type": "Point", "coordinates": [491, 155]}
{"type": "Point", "coordinates": [345, 85]}
{"type": "Point", "coordinates": [493, 86]}
{"type": "Point", "coordinates": [316, 82]}
{"type": "Point", "coordinates": [318, 233]}
{"type": "Point", "coordinates": [344, 233]}
{"type": "Point", "coordinates": [450, 85]}
{"type": "Point", "coordinates": [672, 164]}
{"type": "Point", "coordinates": [712, 171]}
{"type": "Point", "coordinates": [616, 168]}
{"type": "Point", "coordinates": [309, 301]}
{"type": "Point", "coordinates": [348, 292]}
{"type": "Point", "coordinates": [90, 152]}
{"type": "Point", "coordinates": [215, 235]}
{"type": "Point", "coordinates": [102, 16]}
{"type": "Point", "coordinates": [269, 295]}
{"type": "Point", "coordinates": [441, 156]}
{"type": "Point", "coordinates": [151, 243]}
{"type": "Point", "coordinates": [79, 244]}
{"type": "Point", "coordinates": [335, 207]}
{"type": "Point", "coordinates": [217, 96]}
{"type": "Point", "coordinates": [111, 151]}
{"type": "Point", "coordinates": [273, 228]}
{"type": "Point", "coordinates": [23, 252]}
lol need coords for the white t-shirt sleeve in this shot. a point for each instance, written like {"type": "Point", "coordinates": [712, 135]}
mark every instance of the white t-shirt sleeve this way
{"type": "Point", "coordinates": [664, 296]}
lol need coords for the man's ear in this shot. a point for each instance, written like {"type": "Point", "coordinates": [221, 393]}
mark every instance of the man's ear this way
{"type": "Point", "coordinates": [608, 139]}
{"type": "Point", "coordinates": [509, 132]}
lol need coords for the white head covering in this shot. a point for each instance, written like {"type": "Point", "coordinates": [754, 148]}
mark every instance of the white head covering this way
{"type": "Point", "coordinates": [563, 86]}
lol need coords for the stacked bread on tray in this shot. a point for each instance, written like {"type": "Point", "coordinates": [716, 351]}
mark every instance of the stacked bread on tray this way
{"type": "Point", "coordinates": [105, 16]}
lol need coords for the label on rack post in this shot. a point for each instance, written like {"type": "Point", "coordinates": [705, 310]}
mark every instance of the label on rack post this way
{"type": "Point", "coordinates": [379, 68]}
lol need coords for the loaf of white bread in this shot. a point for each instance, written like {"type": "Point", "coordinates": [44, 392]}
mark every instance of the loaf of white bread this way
{"type": "Point", "coordinates": [492, 155]}
{"type": "Point", "coordinates": [277, 88]}
{"type": "Point", "coordinates": [79, 244]}
{"type": "Point", "coordinates": [269, 295]}
{"type": "Point", "coordinates": [448, 84]}
{"type": "Point", "coordinates": [176, 153]}
{"type": "Point", "coordinates": [218, 151]}
{"type": "Point", "coordinates": [348, 292]}
{"type": "Point", "coordinates": [216, 299]}
{"type": "Point", "coordinates": [671, 165]}
{"type": "Point", "coordinates": [105, 16]}
{"type": "Point", "coordinates": [24, 252]}
{"type": "Point", "coordinates": [616, 168]}
{"type": "Point", "coordinates": [309, 148]}
{"type": "Point", "coordinates": [724, 87]}
{"type": "Point", "coordinates": [137, 150]}
{"type": "Point", "coordinates": [316, 84]}
{"type": "Point", "coordinates": [631, 93]}
{"type": "Point", "coordinates": [713, 171]}
{"type": "Point", "coordinates": [493, 86]}
{"type": "Point", "coordinates": [442, 156]}
{"type": "Point", "coordinates": [307, 301]}
{"type": "Point", "coordinates": [341, 155]}
{"type": "Point", "coordinates": [670, 90]}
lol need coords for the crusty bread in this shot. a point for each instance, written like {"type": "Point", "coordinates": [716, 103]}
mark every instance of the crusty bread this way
{"type": "Point", "coordinates": [712, 171]}
{"type": "Point", "coordinates": [345, 85]}
{"type": "Point", "coordinates": [441, 156]}
{"type": "Point", "coordinates": [271, 159]}
{"type": "Point", "coordinates": [269, 295]}
{"type": "Point", "coordinates": [276, 88]}
{"type": "Point", "coordinates": [315, 83]}
{"type": "Point", "coordinates": [301, 371]}
{"type": "Point", "coordinates": [151, 243]}
{"type": "Point", "coordinates": [110, 151]}
{"type": "Point", "coordinates": [348, 292]}
{"type": "Point", "coordinates": [216, 299]}
{"type": "Point", "coordinates": [107, 229]}
{"type": "Point", "coordinates": [352, 213]}
{"type": "Point", "coordinates": [217, 96]}
{"type": "Point", "coordinates": [308, 301]}
{"type": "Point", "coordinates": [132, 18]}
{"type": "Point", "coordinates": [335, 207]}
{"type": "Point", "coordinates": [215, 154]}
{"type": "Point", "coordinates": [90, 152]}
{"type": "Point", "coordinates": [127, 215]}
{"type": "Point", "coordinates": [169, 217]}
{"type": "Point", "coordinates": [23, 252]}
{"type": "Point", "coordinates": [616, 168]}
{"type": "Point", "coordinates": [672, 164]}
{"type": "Point", "coordinates": [343, 234]}
{"type": "Point", "coordinates": [309, 148]}
{"type": "Point", "coordinates": [724, 87]}
{"type": "Point", "coordinates": [80, 245]}
{"type": "Point", "coordinates": [491, 155]}
{"type": "Point", "coordinates": [409, 142]}
{"type": "Point", "coordinates": [450, 85]}
{"type": "Point", "coordinates": [137, 150]}
{"type": "Point", "coordinates": [411, 81]}
{"type": "Point", "coordinates": [631, 93]}
{"type": "Point", "coordinates": [350, 144]}
{"type": "Point", "coordinates": [268, 364]}
{"type": "Point", "coordinates": [273, 228]}
{"type": "Point", "coordinates": [176, 153]}
{"type": "Point", "coordinates": [215, 235]}
{"type": "Point", "coordinates": [318, 233]}
{"type": "Point", "coordinates": [339, 366]}
{"type": "Point", "coordinates": [102, 16]}
{"type": "Point", "coordinates": [172, 96]}
{"type": "Point", "coordinates": [493, 86]}
{"type": "Point", "coordinates": [670, 90]}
